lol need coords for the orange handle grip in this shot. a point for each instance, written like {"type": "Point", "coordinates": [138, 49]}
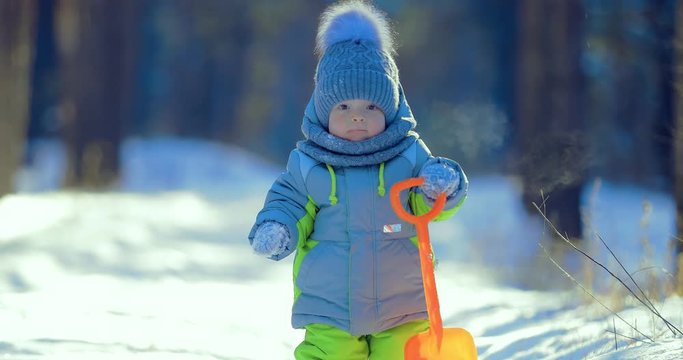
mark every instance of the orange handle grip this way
{"type": "Point", "coordinates": [394, 195]}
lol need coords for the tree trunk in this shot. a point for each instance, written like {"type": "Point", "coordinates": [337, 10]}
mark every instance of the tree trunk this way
{"type": "Point", "coordinates": [678, 144]}
{"type": "Point", "coordinates": [96, 45]}
{"type": "Point", "coordinates": [17, 21]}
{"type": "Point", "coordinates": [45, 76]}
{"type": "Point", "coordinates": [550, 138]}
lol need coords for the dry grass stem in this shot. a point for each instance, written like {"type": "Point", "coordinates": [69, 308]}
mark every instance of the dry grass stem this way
{"type": "Point", "coordinates": [591, 294]}
{"type": "Point", "coordinates": [647, 303]}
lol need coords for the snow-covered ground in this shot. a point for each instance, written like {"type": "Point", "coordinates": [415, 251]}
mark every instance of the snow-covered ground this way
{"type": "Point", "coordinates": [161, 269]}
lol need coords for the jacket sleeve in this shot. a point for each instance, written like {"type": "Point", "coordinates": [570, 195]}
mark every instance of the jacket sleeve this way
{"type": "Point", "coordinates": [420, 204]}
{"type": "Point", "coordinates": [288, 203]}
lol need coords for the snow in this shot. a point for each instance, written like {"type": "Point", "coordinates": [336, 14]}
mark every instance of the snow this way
{"type": "Point", "coordinates": [160, 267]}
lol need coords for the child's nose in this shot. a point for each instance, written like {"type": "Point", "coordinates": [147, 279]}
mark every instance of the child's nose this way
{"type": "Point", "coordinates": [358, 118]}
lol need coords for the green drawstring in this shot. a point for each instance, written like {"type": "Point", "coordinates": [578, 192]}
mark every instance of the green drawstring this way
{"type": "Point", "coordinates": [380, 189]}
{"type": "Point", "coordinates": [333, 191]}
{"type": "Point", "coordinates": [333, 178]}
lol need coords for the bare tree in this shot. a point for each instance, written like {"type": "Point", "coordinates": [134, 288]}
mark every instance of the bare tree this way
{"type": "Point", "coordinates": [96, 50]}
{"type": "Point", "coordinates": [17, 22]}
{"type": "Point", "coordinates": [550, 138]}
{"type": "Point", "coordinates": [678, 143]}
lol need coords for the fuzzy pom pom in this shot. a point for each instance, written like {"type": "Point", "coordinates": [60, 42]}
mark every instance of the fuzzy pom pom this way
{"type": "Point", "coordinates": [271, 238]}
{"type": "Point", "coordinates": [439, 178]}
{"type": "Point", "coordinates": [354, 20]}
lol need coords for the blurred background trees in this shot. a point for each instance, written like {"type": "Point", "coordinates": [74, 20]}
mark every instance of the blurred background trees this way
{"type": "Point", "coordinates": [551, 154]}
{"type": "Point", "coordinates": [96, 47]}
{"type": "Point", "coordinates": [552, 92]}
{"type": "Point", "coordinates": [678, 144]}
{"type": "Point", "coordinates": [17, 20]}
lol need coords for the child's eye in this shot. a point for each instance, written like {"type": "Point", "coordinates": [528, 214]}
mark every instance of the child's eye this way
{"type": "Point", "coordinates": [372, 107]}
{"type": "Point", "coordinates": [342, 107]}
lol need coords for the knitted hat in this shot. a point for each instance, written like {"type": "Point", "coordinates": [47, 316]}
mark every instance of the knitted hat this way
{"type": "Point", "coordinates": [355, 47]}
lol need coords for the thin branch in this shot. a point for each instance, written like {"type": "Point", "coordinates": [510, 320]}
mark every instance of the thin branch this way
{"type": "Point", "coordinates": [652, 306]}
{"type": "Point", "coordinates": [545, 199]}
{"type": "Point", "coordinates": [624, 336]}
{"type": "Point", "coordinates": [665, 271]}
{"type": "Point", "coordinates": [552, 226]}
{"type": "Point", "coordinates": [583, 252]}
{"type": "Point", "coordinates": [589, 293]}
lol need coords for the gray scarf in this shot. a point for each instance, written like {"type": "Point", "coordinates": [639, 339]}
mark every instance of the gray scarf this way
{"type": "Point", "coordinates": [335, 151]}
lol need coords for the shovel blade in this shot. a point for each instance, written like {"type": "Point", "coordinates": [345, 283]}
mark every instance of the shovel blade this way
{"type": "Point", "coordinates": [457, 344]}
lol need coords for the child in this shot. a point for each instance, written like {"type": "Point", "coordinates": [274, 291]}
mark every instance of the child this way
{"type": "Point", "coordinates": [357, 281]}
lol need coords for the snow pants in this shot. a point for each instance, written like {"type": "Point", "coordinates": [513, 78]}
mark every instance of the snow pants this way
{"type": "Point", "coordinates": [330, 343]}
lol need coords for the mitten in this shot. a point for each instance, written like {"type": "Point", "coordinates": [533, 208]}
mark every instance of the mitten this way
{"type": "Point", "coordinates": [439, 178]}
{"type": "Point", "coordinates": [271, 239]}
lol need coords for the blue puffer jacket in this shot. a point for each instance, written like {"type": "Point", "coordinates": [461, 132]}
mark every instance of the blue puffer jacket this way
{"type": "Point", "coordinates": [357, 266]}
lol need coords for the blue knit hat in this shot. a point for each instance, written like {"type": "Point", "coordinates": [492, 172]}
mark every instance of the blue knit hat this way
{"type": "Point", "coordinates": [355, 46]}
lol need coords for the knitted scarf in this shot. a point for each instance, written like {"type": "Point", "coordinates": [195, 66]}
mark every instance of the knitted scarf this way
{"type": "Point", "coordinates": [335, 151]}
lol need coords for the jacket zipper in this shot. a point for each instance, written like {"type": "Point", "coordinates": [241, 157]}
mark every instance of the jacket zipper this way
{"type": "Point", "coordinates": [348, 240]}
{"type": "Point", "coordinates": [371, 171]}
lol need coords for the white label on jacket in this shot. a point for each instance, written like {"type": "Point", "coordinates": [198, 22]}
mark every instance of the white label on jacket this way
{"type": "Point", "coordinates": [392, 228]}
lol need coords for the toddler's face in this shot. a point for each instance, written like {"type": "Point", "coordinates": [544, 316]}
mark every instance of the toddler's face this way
{"type": "Point", "coordinates": [356, 120]}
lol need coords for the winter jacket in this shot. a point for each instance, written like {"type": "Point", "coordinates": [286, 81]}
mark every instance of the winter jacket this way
{"type": "Point", "coordinates": [357, 265]}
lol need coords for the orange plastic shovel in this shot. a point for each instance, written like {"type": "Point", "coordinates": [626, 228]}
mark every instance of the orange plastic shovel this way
{"type": "Point", "coordinates": [437, 342]}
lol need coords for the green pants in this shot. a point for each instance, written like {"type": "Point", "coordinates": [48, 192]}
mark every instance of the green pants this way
{"type": "Point", "coordinates": [329, 343]}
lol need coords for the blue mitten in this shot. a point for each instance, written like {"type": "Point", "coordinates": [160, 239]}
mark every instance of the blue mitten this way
{"type": "Point", "coordinates": [271, 239]}
{"type": "Point", "coordinates": [439, 178]}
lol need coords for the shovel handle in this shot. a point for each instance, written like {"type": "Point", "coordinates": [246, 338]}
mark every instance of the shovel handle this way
{"type": "Point", "coordinates": [421, 220]}
{"type": "Point", "coordinates": [460, 344]}
{"type": "Point", "coordinates": [421, 223]}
